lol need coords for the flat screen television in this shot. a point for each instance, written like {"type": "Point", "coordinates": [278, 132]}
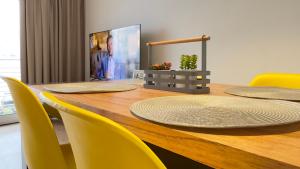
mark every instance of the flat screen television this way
{"type": "Point", "coordinates": [115, 54]}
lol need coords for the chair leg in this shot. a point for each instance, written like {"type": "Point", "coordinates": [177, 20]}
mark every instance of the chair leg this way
{"type": "Point", "coordinates": [23, 165]}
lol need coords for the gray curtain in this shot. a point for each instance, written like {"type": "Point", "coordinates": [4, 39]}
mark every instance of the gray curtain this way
{"type": "Point", "coordinates": [52, 41]}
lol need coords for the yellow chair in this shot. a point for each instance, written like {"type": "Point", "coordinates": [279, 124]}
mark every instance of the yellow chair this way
{"type": "Point", "coordinates": [98, 142]}
{"type": "Point", "coordinates": [283, 80]}
{"type": "Point", "coordinates": [40, 144]}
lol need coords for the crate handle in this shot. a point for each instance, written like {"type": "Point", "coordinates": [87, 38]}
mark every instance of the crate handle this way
{"type": "Point", "coordinates": [186, 40]}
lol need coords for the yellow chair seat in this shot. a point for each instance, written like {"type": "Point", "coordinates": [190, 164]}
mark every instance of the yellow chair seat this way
{"type": "Point", "coordinates": [283, 80]}
{"type": "Point", "coordinates": [98, 142]}
{"type": "Point", "coordinates": [40, 144]}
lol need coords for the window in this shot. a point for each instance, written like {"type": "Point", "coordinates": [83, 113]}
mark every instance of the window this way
{"type": "Point", "coordinates": [9, 51]}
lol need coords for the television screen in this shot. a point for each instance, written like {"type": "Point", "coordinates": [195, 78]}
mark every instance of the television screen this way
{"type": "Point", "coordinates": [115, 54]}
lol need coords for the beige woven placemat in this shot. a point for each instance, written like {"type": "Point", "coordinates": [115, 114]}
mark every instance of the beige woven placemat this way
{"type": "Point", "coordinates": [216, 111]}
{"type": "Point", "coordinates": [266, 93]}
{"type": "Point", "coordinates": [90, 87]}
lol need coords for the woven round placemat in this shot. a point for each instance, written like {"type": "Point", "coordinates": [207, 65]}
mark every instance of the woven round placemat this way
{"type": "Point", "coordinates": [266, 93]}
{"type": "Point", "coordinates": [217, 111]}
{"type": "Point", "coordinates": [90, 87]}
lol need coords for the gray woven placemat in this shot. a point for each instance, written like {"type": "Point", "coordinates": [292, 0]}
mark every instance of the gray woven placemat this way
{"type": "Point", "coordinates": [266, 93]}
{"type": "Point", "coordinates": [90, 87]}
{"type": "Point", "coordinates": [217, 111]}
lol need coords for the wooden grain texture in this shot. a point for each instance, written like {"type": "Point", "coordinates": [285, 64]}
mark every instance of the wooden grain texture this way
{"type": "Point", "coordinates": [186, 40]}
{"type": "Point", "coordinates": [267, 147]}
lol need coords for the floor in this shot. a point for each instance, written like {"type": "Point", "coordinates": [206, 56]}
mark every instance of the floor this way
{"type": "Point", "coordinates": [10, 147]}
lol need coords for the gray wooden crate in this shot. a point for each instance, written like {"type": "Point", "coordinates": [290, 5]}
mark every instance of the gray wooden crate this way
{"type": "Point", "coordinates": [186, 81]}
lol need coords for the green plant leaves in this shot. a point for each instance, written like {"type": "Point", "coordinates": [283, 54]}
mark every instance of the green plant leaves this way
{"type": "Point", "coordinates": [188, 62]}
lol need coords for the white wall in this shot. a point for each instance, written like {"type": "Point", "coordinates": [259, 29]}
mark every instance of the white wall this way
{"type": "Point", "coordinates": [247, 36]}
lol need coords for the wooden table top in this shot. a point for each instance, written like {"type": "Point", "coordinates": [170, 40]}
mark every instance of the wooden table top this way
{"type": "Point", "coordinates": [266, 147]}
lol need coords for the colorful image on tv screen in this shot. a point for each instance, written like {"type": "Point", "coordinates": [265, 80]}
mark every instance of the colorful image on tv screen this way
{"type": "Point", "coordinates": [115, 54]}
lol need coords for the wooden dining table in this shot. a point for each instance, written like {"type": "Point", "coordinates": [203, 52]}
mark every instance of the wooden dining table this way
{"type": "Point", "coordinates": [273, 147]}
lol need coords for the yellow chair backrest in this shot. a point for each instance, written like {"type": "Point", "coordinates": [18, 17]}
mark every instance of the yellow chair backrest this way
{"type": "Point", "coordinates": [98, 142]}
{"type": "Point", "coordinates": [283, 80]}
{"type": "Point", "coordinates": [40, 144]}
